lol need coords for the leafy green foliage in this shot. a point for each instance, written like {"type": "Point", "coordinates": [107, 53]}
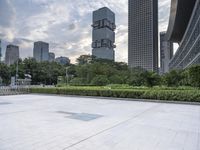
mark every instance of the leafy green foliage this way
{"type": "Point", "coordinates": [77, 81]}
{"type": "Point", "coordinates": [100, 80]}
{"type": "Point", "coordinates": [173, 78]}
{"type": "Point", "coordinates": [151, 79]}
{"type": "Point", "coordinates": [42, 73]}
{"type": "Point", "coordinates": [194, 76]}
{"type": "Point", "coordinates": [191, 95]}
{"type": "Point", "coordinates": [91, 71]}
{"type": "Point", "coordinates": [4, 73]}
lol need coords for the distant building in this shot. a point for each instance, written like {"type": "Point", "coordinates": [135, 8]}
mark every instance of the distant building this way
{"type": "Point", "coordinates": [63, 60]}
{"type": "Point", "coordinates": [12, 54]}
{"type": "Point", "coordinates": [166, 53]}
{"type": "Point", "coordinates": [41, 51]}
{"type": "Point", "coordinates": [143, 34]}
{"type": "Point", "coordinates": [103, 35]}
{"type": "Point", "coordinates": [51, 57]}
{"type": "Point", "coordinates": [84, 59]}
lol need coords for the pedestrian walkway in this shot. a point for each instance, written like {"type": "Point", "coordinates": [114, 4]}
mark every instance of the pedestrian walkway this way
{"type": "Point", "coordinates": [40, 122]}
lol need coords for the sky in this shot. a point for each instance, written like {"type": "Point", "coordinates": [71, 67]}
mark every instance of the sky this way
{"type": "Point", "coordinates": [65, 25]}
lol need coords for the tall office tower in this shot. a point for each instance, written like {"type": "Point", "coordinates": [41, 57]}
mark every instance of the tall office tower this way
{"type": "Point", "coordinates": [143, 34]}
{"type": "Point", "coordinates": [51, 57]}
{"type": "Point", "coordinates": [166, 53]}
{"type": "Point", "coordinates": [0, 51]}
{"type": "Point", "coordinates": [41, 51]}
{"type": "Point", "coordinates": [12, 54]}
{"type": "Point", "coordinates": [103, 35]}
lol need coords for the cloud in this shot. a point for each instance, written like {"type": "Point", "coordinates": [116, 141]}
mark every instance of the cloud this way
{"type": "Point", "coordinates": [72, 26]}
{"type": "Point", "coordinates": [65, 24]}
{"type": "Point", "coordinates": [7, 13]}
{"type": "Point", "coordinates": [7, 19]}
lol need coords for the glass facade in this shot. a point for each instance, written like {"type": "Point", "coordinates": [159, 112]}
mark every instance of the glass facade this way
{"type": "Point", "coordinates": [143, 34]}
{"type": "Point", "coordinates": [103, 34]}
{"type": "Point", "coordinates": [188, 52]}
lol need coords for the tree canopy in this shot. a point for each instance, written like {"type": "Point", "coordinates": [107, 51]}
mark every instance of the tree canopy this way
{"type": "Point", "coordinates": [91, 71]}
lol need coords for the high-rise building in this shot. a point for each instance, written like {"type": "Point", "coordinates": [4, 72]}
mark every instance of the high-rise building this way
{"type": "Point", "coordinates": [166, 53]}
{"type": "Point", "coordinates": [63, 60]}
{"type": "Point", "coordinates": [41, 51]}
{"type": "Point", "coordinates": [184, 29]}
{"type": "Point", "coordinates": [51, 57]}
{"type": "Point", "coordinates": [12, 54]}
{"type": "Point", "coordinates": [143, 34]}
{"type": "Point", "coordinates": [103, 35]}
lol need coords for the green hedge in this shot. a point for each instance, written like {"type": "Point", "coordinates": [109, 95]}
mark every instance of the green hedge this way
{"type": "Point", "coordinates": [172, 95]}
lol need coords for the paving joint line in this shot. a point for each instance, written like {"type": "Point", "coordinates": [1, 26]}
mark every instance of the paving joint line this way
{"type": "Point", "coordinates": [114, 126]}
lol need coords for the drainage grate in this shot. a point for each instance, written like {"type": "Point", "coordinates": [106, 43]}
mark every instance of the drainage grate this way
{"type": "Point", "coordinates": [81, 116]}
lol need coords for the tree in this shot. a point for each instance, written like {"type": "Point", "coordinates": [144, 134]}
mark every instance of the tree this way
{"type": "Point", "coordinates": [136, 77]}
{"type": "Point", "coordinates": [173, 78]}
{"type": "Point", "coordinates": [84, 59]}
{"type": "Point", "coordinates": [43, 72]}
{"type": "Point", "coordinates": [5, 73]}
{"type": "Point", "coordinates": [77, 81]}
{"type": "Point", "coordinates": [194, 76]}
{"type": "Point", "coordinates": [116, 79]}
{"type": "Point", "coordinates": [151, 78]}
{"type": "Point", "coordinates": [20, 66]}
{"type": "Point", "coordinates": [100, 80]}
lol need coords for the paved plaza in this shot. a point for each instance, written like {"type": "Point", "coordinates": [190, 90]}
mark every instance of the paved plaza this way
{"type": "Point", "coordinates": [42, 122]}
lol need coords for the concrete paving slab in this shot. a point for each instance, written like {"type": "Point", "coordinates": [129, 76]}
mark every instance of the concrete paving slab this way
{"type": "Point", "coordinates": [44, 122]}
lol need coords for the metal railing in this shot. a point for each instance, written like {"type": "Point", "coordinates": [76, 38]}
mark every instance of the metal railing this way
{"type": "Point", "coordinates": [7, 90]}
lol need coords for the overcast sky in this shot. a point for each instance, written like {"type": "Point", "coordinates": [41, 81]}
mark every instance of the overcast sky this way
{"type": "Point", "coordinates": [65, 24]}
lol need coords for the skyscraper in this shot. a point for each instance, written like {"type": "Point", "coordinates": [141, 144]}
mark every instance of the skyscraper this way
{"type": "Point", "coordinates": [103, 35]}
{"type": "Point", "coordinates": [51, 57]}
{"type": "Point", "coordinates": [41, 51]}
{"type": "Point", "coordinates": [12, 54]}
{"type": "Point", "coordinates": [166, 53]}
{"type": "Point", "coordinates": [143, 34]}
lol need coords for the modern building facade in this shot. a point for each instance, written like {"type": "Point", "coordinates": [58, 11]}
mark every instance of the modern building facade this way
{"type": "Point", "coordinates": [166, 53]}
{"type": "Point", "coordinates": [12, 54]}
{"type": "Point", "coordinates": [103, 34]}
{"type": "Point", "coordinates": [63, 60]}
{"type": "Point", "coordinates": [51, 57]}
{"type": "Point", "coordinates": [184, 29]}
{"type": "Point", "coordinates": [41, 51]}
{"type": "Point", "coordinates": [143, 34]}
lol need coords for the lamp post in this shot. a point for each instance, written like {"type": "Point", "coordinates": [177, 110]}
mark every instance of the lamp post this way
{"type": "Point", "coordinates": [17, 70]}
{"type": "Point", "coordinates": [67, 75]}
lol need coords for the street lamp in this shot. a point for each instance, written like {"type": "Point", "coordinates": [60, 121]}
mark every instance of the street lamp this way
{"type": "Point", "coordinates": [67, 75]}
{"type": "Point", "coordinates": [17, 69]}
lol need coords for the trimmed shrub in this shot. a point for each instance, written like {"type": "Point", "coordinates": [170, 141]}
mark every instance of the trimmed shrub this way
{"type": "Point", "coordinates": [155, 94]}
